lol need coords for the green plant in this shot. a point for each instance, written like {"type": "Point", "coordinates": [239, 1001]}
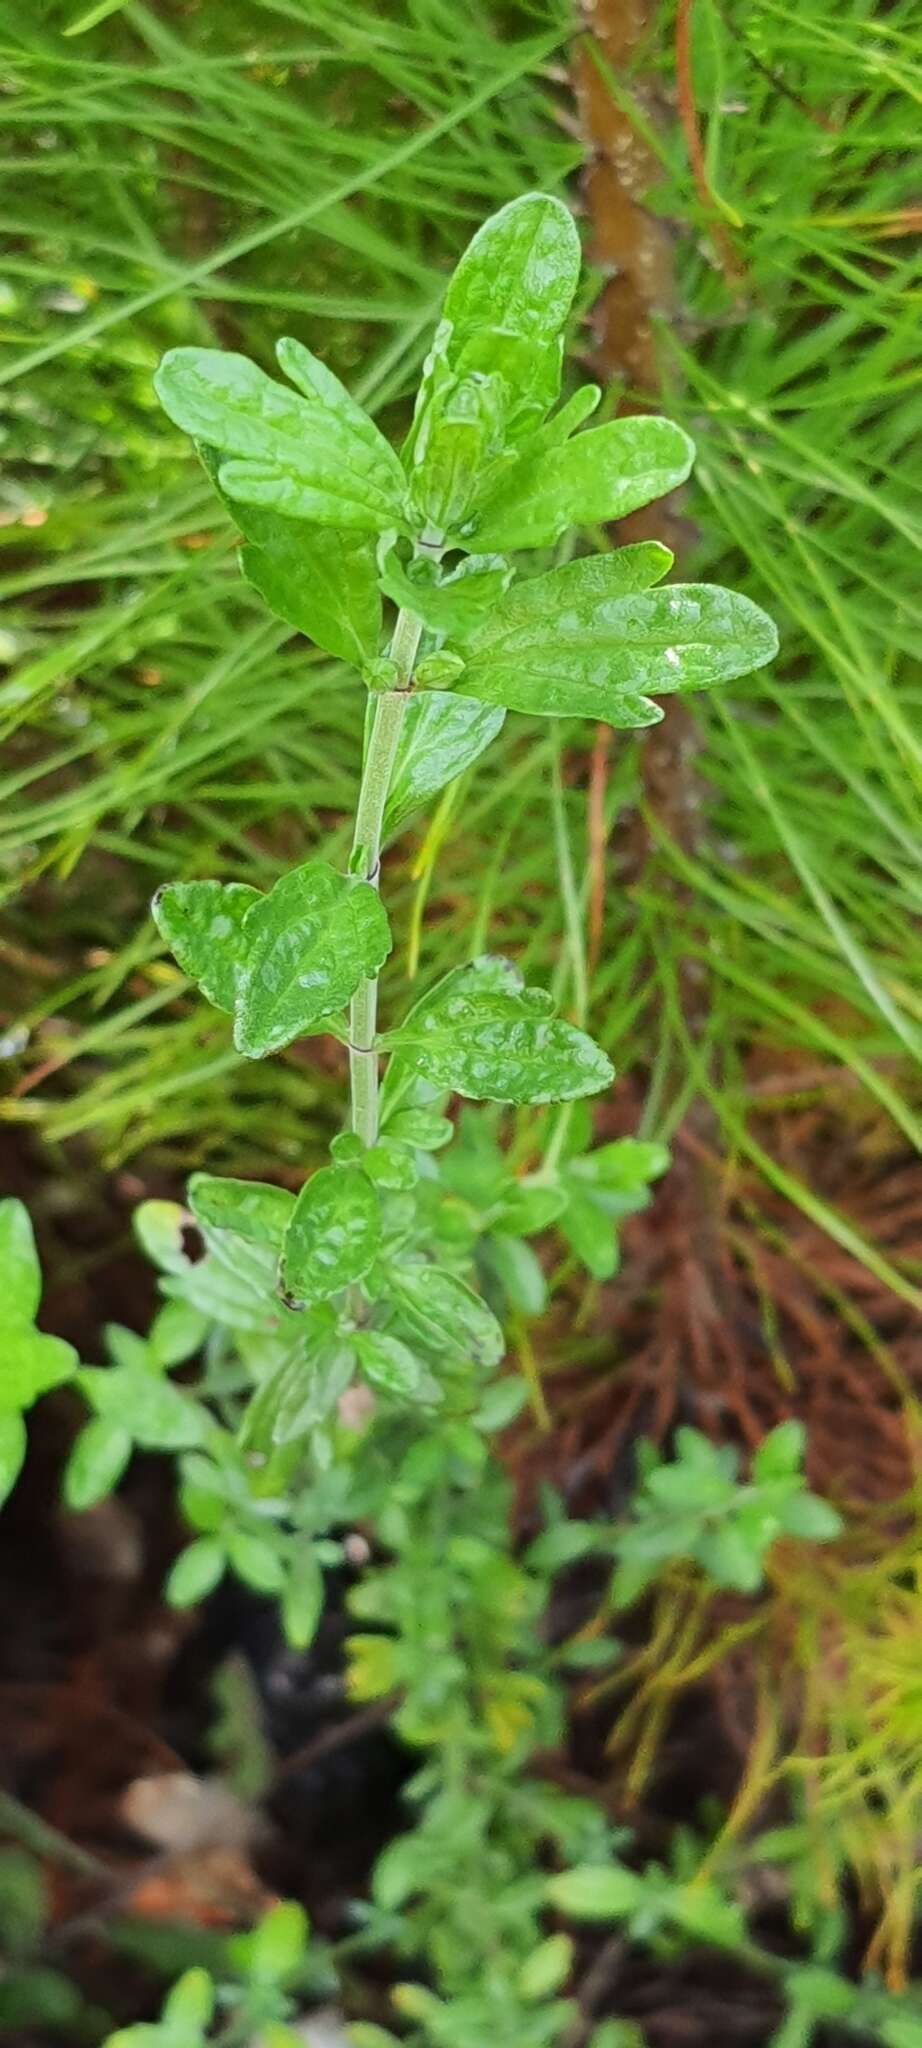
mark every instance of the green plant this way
{"type": "Point", "coordinates": [252, 2001]}
{"type": "Point", "coordinates": [694, 1506]}
{"type": "Point", "coordinates": [365, 1274]}
{"type": "Point", "coordinates": [665, 1911]}
{"type": "Point", "coordinates": [339, 1337]}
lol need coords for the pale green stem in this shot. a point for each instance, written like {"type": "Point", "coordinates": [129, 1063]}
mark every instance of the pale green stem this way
{"type": "Point", "coordinates": [377, 769]}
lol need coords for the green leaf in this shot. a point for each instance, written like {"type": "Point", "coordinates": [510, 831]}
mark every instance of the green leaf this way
{"type": "Point", "coordinates": [403, 1085]}
{"type": "Point", "coordinates": [601, 475]}
{"type": "Point", "coordinates": [20, 1272]}
{"type": "Point", "coordinates": [421, 1128]}
{"type": "Point", "coordinates": [333, 1237]}
{"type": "Point", "coordinates": [781, 1455]}
{"type": "Point", "coordinates": [388, 1365]}
{"type": "Point", "coordinates": [446, 1314]}
{"type": "Point", "coordinates": [304, 1388]}
{"type": "Point", "coordinates": [595, 1653]}
{"type": "Point", "coordinates": [607, 1893]}
{"type": "Point", "coordinates": [13, 1443]}
{"type": "Point", "coordinates": [506, 306]}
{"type": "Point", "coordinates": [441, 735]}
{"type": "Point", "coordinates": [701, 1910]}
{"type": "Point", "coordinates": [518, 274]}
{"type": "Point", "coordinates": [316, 456]}
{"type": "Point", "coordinates": [810, 1518]}
{"type": "Point", "coordinates": [96, 1463]}
{"type": "Point", "coordinates": [452, 604]}
{"type": "Point", "coordinates": [302, 1600]}
{"type": "Point", "coordinates": [562, 1544]}
{"type": "Point", "coordinates": [457, 445]}
{"type": "Point", "coordinates": [158, 1415]}
{"type": "Point", "coordinates": [561, 645]}
{"type": "Point", "coordinates": [590, 1233]}
{"type": "Point", "coordinates": [256, 1561]}
{"type": "Point", "coordinates": [195, 1572]}
{"type": "Point", "coordinates": [321, 582]}
{"type": "Point", "coordinates": [494, 366]}
{"type": "Point", "coordinates": [390, 1166]}
{"type": "Point", "coordinates": [176, 1333]}
{"type": "Point", "coordinates": [276, 1948]}
{"type": "Point", "coordinates": [627, 1164]}
{"type": "Point", "coordinates": [729, 1559]}
{"type": "Point", "coordinates": [252, 1209]}
{"type": "Point", "coordinates": [309, 943]}
{"type": "Point", "coordinates": [547, 1968]}
{"type": "Point", "coordinates": [498, 1045]}
{"type": "Point", "coordinates": [191, 2002]}
{"type": "Point", "coordinates": [30, 1364]}
{"type": "Point", "coordinates": [202, 925]}
{"type": "Point", "coordinates": [519, 1273]}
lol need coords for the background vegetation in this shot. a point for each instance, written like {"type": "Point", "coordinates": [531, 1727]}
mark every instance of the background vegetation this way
{"type": "Point", "coordinates": [735, 912]}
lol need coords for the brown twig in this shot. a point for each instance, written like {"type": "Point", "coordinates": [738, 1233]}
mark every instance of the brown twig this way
{"type": "Point", "coordinates": [688, 117]}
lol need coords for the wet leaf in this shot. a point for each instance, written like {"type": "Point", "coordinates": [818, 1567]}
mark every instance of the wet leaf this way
{"type": "Point", "coordinates": [421, 1128]}
{"type": "Point", "coordinates": [518, 274]}
{"type": "Point", "coordinates": [571, 644]}
{"type": "Point", "coordinates": [500, 1046]}
{"type": "Point", "coordinates": [404, 1085]}
{"type": "Point", "coordinates": [252, 1209]}
{"type": "Point", "coordinates": [389, 1366]}
{"type": "Point", "coordinates": [441, 735]}
{"type": "Point", "coordinates": [333, 1236]}
{"type": "Point", "coordinates": [320, 581]}
{"type": "Point", "coordinates": [309, 943]}
{"type": "Point", "coordinates": [452, 604]}
{"type": "Point", "coordinates": [312, 454]}
{"type": "Point", "coordinates": [597, 477]}
{"type": "Point", "coordinates": [446, 1314]}
{"type": "Point", "coordinates": [202, 925]}
{"type": "Point", "coordinates": [494, 366]}
{"type": "Point", "coordinates": [304, 1389]}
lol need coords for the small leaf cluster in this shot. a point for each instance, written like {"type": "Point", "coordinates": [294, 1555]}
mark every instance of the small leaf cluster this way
{"type": "Point", "coordinates": [265, 1969]}
{"type": "Point", "coordinates": [456, 1639]}
{"type": "Point", "coordinates": [694, 1505]}
{"type": "Point", "coordinates": [667, 1912]}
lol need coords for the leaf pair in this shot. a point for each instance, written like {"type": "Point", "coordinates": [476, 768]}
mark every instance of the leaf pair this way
{"type": "Point", "coordinates": [281, 963]}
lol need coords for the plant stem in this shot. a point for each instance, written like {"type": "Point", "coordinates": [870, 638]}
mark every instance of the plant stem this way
{"type": "Point", "coordinates": [377, 769]}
